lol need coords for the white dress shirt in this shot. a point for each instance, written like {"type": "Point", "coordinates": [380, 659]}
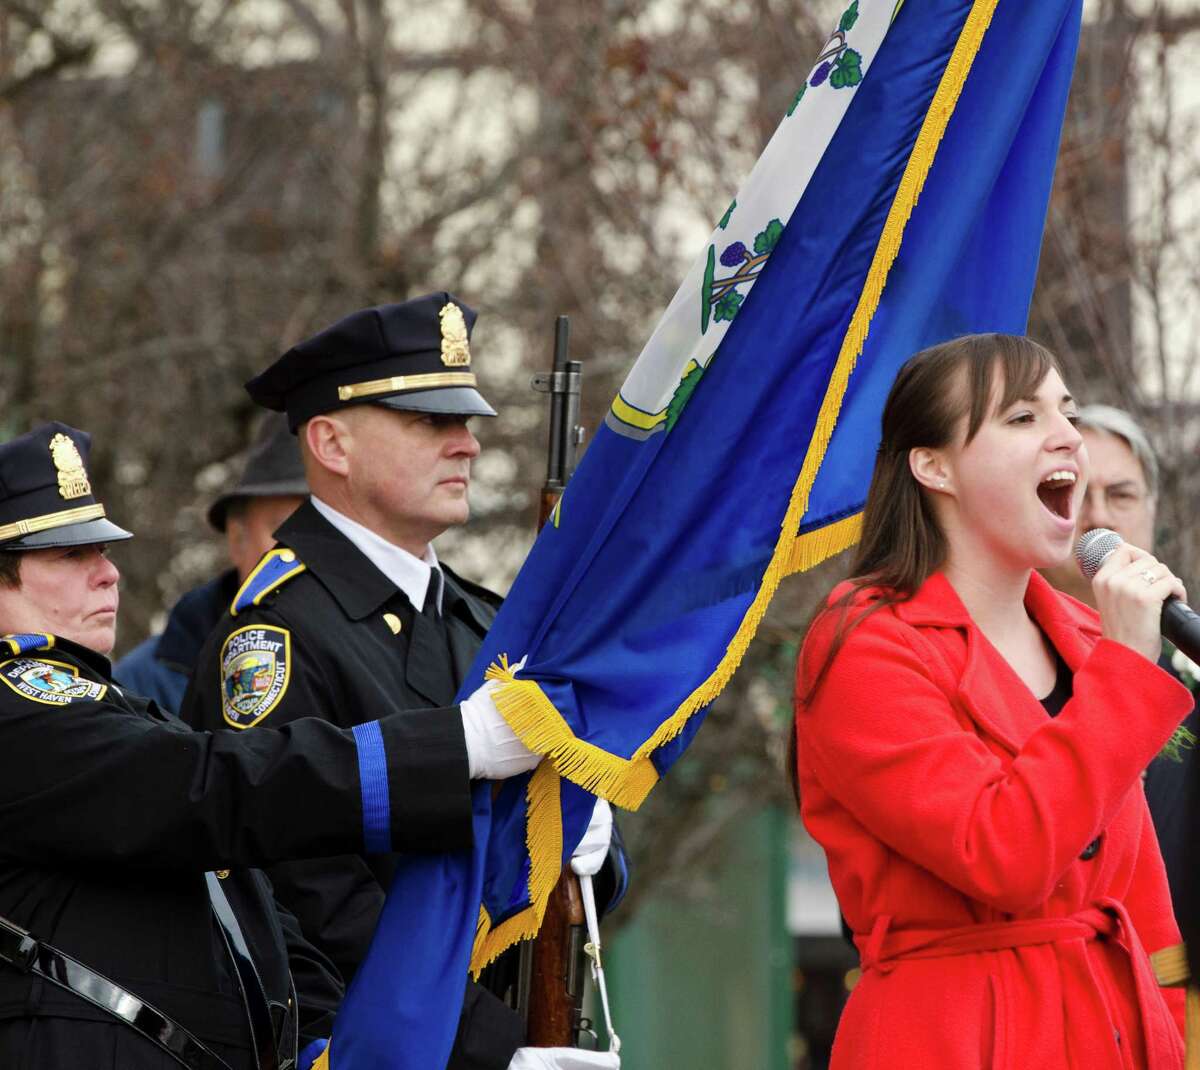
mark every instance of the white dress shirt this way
{"type": "Point", "coordinates": [410, 573]}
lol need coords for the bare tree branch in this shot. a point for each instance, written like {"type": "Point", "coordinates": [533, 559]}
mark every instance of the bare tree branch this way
{"type": "Point", "coordinates": [309, 20]}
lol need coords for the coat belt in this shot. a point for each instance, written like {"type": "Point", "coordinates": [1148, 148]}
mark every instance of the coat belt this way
{"type": "Point", "coordinates": [883, 948]}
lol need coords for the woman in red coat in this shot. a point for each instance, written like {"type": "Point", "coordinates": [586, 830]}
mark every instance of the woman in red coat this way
{"type": "Point", "coordinates": [971, 742]}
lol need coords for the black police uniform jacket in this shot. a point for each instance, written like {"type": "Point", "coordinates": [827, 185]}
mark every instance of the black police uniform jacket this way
{"type": "Point", "coordinates": [355, 651]}
{"type": "Point", "coordinates": [111, 811]}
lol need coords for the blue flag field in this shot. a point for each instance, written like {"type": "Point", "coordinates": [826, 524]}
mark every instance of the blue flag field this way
{"type": "Point", "coordinates": [901, 202]}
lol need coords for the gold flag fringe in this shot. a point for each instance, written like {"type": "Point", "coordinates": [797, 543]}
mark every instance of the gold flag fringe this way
{"type": "Point", "coordinates": [813, 547]}
{"type": "Point", "coordinates": [626, 782]}
{"type": "Point", "coordinates": [543, 841]}
{"type": "Point", "coordinates": [537, 722]}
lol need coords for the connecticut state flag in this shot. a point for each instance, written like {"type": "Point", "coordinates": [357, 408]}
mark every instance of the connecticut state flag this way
{"type": "Point", "coordinates": [900, 203]}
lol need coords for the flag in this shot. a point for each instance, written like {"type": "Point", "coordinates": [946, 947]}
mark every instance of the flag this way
{"type": "Point", "coordinates": [901, 202]}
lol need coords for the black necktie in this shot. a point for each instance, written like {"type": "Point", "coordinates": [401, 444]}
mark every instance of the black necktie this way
{"type": "Point", "coordinates": [430, 668]}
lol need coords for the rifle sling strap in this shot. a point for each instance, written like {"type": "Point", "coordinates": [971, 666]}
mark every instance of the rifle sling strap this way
{"type": "Point", "coordinates": [259, 1010]}
{"type": "Point", "coordinates": [21, 950]}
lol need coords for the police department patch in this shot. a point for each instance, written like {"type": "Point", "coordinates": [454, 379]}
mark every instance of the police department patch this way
{"type": "Point", "coordinates": [255, 667]}
{"type": "Point", "coordinates": [54, 683]}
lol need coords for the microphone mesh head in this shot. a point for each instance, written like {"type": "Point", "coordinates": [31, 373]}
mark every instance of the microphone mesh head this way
{"type": "Point", "coordinates": [1093, 547]}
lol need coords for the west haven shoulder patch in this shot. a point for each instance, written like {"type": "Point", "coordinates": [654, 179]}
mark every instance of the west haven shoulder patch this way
{"type": "Point", "coordinates": [256, 664]}
{"type": "Point", "coordinates": [53, 683]}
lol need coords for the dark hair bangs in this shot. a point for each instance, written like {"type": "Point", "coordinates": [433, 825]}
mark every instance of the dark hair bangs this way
{"type": "Point", "coordinates": [1022, 363]}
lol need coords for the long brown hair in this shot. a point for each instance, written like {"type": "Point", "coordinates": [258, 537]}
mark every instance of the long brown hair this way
{"type": "Point", "coordinates": [902, 545]}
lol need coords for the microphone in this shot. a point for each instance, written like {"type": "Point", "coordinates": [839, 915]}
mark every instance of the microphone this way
{"type": "Point", "coordinates": [1180, 625]}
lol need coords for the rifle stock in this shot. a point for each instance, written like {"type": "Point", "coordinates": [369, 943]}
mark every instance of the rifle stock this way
{"type": "Point", "coordinates": [557, 969]}
{"type": "Point", "coordinates": [546, 504]}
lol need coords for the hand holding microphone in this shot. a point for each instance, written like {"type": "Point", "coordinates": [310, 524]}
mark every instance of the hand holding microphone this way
{"type": "Point", "coordinates": [1139, 598]}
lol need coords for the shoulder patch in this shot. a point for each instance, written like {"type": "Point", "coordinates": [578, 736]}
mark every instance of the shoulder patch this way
{"type": "Point", "coordinates": [53, 683]}
{"type": "Point", "coordinates": [275, 569]}
{"type": "Point", "coordinates": [26, 642]}
{"type": "Point", "coordinates": [256, 665]}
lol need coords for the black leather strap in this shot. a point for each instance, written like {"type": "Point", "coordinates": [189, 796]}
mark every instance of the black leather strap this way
{"type": "Point", "coordinates": [21, 950]}
{"type": "Point", "coordinates": [263, 1026]}
{"type": "Point", "coordinates": [289, 1032]}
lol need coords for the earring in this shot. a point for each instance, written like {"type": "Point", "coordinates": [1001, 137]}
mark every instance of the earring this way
{"type": "Point", "coordinates": [941, 484]}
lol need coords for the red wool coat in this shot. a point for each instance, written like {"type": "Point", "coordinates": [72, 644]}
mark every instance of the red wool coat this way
{"type": "Point", "coordinates": [956, 819]}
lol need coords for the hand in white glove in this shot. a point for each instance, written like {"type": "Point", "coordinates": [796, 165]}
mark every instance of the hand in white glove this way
{"type": "Point", "coordinates": [564, 1059]}
{"type": "Point", "coordinates": [493, 750]}
{"type": "Point", "coordinates": [589, 856]}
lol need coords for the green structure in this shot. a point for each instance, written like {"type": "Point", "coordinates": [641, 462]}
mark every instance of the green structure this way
{"type": "Point", "coordinates": [708, 985]}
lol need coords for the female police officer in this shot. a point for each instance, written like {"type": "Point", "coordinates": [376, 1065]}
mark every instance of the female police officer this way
{"type": "Point", "coordinates": [129, 937]}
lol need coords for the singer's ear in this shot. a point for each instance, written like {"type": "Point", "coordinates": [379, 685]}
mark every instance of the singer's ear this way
{"type": "Point", "coordinates": [928, 467]}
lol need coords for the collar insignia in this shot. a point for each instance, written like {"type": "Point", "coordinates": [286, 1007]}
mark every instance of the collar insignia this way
{"type": "Point", "coordinates": [455, 352]}
{"type": "Point", "coordinates": [72, 478]}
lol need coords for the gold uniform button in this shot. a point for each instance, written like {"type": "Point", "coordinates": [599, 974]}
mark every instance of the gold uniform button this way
{"type": "Point", "coordinates": [222, 874]}
{"type": "Point", "coordinates": [393, 622]}
{"type": "Point", "coordinates": [287, 555]}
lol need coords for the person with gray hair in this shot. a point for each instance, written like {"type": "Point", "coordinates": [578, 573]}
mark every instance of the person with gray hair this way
{"type": "Point", "coordinates": [1106, 419]}
{"type": "Point", "coordinates": [1122, 494]}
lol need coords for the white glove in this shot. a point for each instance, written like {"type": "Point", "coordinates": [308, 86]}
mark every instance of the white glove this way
{"type": "Point", "coordinates": [564, 1059]}
{"type": "Point", "coordinates": [493, 750]}
{"type": "Point", "coordinates": [589, 856]}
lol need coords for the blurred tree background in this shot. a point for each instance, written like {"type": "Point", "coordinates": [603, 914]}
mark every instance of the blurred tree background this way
{"type": "Point", "coordinates": [189, 186]}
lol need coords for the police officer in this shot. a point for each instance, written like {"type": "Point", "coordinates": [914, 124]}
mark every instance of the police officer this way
{"type": "Point", "coordinates": [117, 948]}
{"type": "Point", "coordinates": [354, 594]}
{"type": "Point", "coordinates": [270, 488]}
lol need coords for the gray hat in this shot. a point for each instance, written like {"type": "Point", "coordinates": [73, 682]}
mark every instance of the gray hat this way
{"type": "Point", "coordinates": [273, 470]}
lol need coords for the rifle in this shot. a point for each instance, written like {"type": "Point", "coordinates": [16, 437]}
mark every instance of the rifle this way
{"type": "Point", "coordinates": [552, 967]}
{"type": "Point", "coordinates": [563, 384]}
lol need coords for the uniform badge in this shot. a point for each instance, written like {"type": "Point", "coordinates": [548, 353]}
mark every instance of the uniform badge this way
{"type": "Point", "coordinates": [256, 664]}
{"type": "Point", "coordinates": [53, 683]}
{"type": "Point", "coordinates": [72, 476]}
{"type": "Point", "coordinates": [455, 351]}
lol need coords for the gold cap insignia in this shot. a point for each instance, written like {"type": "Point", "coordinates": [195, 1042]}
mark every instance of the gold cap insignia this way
{"type": "Point", "coordinates": [72, 478]}
{"type": "Point", "coordinates": [455, 353]}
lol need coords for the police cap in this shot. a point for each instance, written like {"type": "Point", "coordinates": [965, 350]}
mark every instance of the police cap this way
{"type": "Point", "coordinates": [413, 356]}
{"type": "Point", "coordinates": [45, 494]}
